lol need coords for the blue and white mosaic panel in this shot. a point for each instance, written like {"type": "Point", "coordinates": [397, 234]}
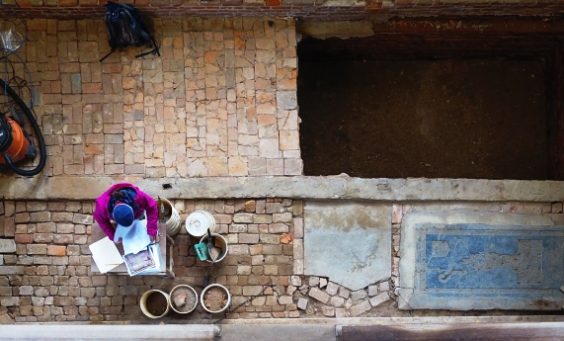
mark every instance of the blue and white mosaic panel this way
{"type": "Point", "coordinates": [465, 266]}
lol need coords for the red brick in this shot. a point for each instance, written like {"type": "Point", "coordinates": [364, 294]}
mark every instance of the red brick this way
{"type": "Point", "coordinates": [24, 238]}
{"type": "Point", "coordinates": [56, 250]}
{"type": "Point", "coordinates": [24, 3]}
{"type": "Point", "coordinates": [63, 3]}
{"type": "Point", "coordinates": [111, 68]}
{"type": "Point", "coordinates": [43, 237]}
{"type": "Point", "coordinates": [92, 88]}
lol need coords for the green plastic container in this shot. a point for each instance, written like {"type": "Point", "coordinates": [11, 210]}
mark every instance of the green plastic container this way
{"type": "Point", "coordinates": [201, 251]}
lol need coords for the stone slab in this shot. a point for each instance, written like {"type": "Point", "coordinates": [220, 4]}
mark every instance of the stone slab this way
{"type": "Point", "coordinates": [306, 187]}
{"type": "Point", "coordinates": [7, 246]}
{"type": "Point", "coordinates": [350, 242]}
{"type": "Point", "coordinates": [478, 261]}
{"type": "Point", "coordinates": [11, 270]}
{"type": "Point", "coordinates": [110, 332]}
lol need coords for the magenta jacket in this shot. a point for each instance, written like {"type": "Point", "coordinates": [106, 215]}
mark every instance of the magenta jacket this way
{"type": "Point", "coordinates": [143, 201]}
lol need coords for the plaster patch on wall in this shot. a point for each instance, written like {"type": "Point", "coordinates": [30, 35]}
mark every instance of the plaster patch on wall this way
{"type": "Point", "coordinates": [349, 243]}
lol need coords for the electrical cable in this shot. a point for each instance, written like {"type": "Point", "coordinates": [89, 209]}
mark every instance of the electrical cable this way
{"type": "Point", "coordinates": [33, 122]}
{"type": "Point", "coordinates": [13, 88]}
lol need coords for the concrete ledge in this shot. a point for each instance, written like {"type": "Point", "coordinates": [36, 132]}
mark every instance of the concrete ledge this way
{"type": "Point", "coordinates": [469, 331]}
{"type": "Point", "coordinates": [299, 187]}
{"type": "Point", "coordinates": [394, 320]}
{"type": "Point", "coordinates": [294, 329]}
{"type": "Point", "coordinates": [112, 332]}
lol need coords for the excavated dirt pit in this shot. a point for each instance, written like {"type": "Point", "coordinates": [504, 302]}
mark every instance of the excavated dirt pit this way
{"type": "Point", "coordinates": [454, 116]}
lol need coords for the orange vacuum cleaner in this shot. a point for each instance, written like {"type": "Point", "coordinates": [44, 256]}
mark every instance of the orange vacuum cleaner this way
{"type": "Point", "coordinates": [12, 140]}
{"type": "Point", "coordinates": [15, 143]}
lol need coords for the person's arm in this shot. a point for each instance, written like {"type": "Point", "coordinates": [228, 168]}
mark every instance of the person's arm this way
{"type": "Point", "coordinates": [102, 217]}
{"type": "Point", "coordinates": [152, 214]}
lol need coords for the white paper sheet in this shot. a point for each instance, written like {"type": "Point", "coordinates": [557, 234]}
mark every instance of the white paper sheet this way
{"type": "Point", "coordinates": [134, 237]}
{"type": "Point", "coordinates": [105, 254]}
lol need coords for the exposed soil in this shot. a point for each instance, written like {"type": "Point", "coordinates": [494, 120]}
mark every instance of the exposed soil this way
{"type": "Point", "coordinates": [215, 299]}
{"type": "Point", "coordinates": [156, 304]}
{"type": "Point", "coordinates": [183, 299]}
{"type": "Point", "coordinates": [454, 118]}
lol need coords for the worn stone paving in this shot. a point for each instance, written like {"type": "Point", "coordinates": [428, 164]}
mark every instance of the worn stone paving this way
{"type": "Point", "coordinates": [48, 277]}
{"type": "Point", "coordinates": [220, 101]}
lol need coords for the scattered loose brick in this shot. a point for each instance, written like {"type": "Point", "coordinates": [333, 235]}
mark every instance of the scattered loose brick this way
{"type": "Point", "coordinates": [319, 295]}
{"type": "Point", "coordinates": [286, 238]}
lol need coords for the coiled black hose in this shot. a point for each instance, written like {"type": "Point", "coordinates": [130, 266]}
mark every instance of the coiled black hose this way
{"type": "Point", "coordinates": [42, 148]}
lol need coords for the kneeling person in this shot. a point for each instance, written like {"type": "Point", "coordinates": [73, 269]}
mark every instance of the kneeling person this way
{"type": "Point", "coordinates": [125, 212]}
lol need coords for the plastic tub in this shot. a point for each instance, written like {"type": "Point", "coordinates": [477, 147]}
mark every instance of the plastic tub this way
{"type": "Point", "coordinates": [220, 242]}
{"type": "Point", "coordinates": [198, 223]}
{"type": "Point", "coordinates": [154, 303]}
{"type": "Point", "coordinates": [171, 216]}
{"type": "Point", "coordinates": [224, 305]}
{"type": "Point", "coordinates": [192, 295]}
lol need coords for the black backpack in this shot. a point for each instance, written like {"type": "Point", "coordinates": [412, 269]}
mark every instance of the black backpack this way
{"type": "Point", "coordinates": [126, 28]}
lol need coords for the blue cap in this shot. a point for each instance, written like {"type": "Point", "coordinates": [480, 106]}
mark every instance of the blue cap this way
{"type": "Point", "coordinates": [123, 214]}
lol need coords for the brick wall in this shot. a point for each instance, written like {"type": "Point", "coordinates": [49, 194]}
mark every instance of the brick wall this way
{"type": "Point", "coordinates": [319, 9]}
{"type": "Point", "coordinates": [48, 277]}
{"type": "Point", "coordinates": [220, 101]}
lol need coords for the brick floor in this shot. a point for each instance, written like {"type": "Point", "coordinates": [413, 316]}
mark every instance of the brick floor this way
{"type": "Point", "coordinates": [220, 101]}
{"type": "Point", "coordinates": [48, 278]}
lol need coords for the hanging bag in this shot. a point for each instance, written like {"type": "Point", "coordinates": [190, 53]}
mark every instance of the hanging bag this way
{"type": "Point", "coordinates": [127, 28]}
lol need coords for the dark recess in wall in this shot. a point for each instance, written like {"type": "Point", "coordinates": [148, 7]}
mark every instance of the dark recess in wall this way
{"type": "Point", "coordinates": [407, 106]}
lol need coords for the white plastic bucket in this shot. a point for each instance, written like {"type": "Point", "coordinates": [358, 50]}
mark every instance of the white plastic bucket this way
{"type": "Point", "coordinates": [198, 223]}
{"type": "Point", "coordinates": [172, 218]}
{"type": "Point", "coordinates": [222, 245]}
{"type": "Point", "coordinates": [225, 306]}
{"type": "Point", "coordinates": [144, 303]}
{"type": "Point", "coordinates": [191, 291]}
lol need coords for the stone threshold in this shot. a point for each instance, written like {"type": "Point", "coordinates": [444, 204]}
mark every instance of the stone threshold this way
{"type": "Point", "coordinates": [296, 187]}
{"type": "Point", "coordinates": [281, 331]}
{"type": "Point", "coordinates": [110, 332]}
{"type": "Point", "coordinates": [399, 320]}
